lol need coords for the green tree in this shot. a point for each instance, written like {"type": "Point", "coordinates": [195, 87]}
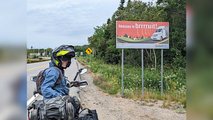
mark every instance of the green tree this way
{"type": "Point", "coordinates": [122, 4]}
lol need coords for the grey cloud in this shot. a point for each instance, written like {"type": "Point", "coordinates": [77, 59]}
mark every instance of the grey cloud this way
{"type": "Point", "coordinates": [67, 20]}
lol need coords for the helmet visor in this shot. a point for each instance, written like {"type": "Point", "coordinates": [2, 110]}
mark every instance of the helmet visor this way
{"type": "Point", "coordinates": [66, 58]}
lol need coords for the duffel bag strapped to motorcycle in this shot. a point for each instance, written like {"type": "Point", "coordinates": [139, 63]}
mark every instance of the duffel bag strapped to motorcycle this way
{"type": "Point", "coordinates": [87, 114]}
{"type": "Point", "coordinates": [58, 108]}
{"type": "Point", "coordinates": [54, 108]}
{"type": "Point", "coordinates": [34, 108]}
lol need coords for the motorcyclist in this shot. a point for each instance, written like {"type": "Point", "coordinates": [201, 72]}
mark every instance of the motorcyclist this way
{"type": "Point", "coordinates": [60, 60]}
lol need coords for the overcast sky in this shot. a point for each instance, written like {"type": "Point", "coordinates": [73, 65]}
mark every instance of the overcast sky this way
{"type": "Point", "coordinates": [51, 23]}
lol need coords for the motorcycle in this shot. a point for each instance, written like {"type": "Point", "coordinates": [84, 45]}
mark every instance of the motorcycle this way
{"type": "Point", "coordinates": [69, 107]}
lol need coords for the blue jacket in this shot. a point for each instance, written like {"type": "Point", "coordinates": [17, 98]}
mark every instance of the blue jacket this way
{"type": "Point", "coordinates": [48, 87]}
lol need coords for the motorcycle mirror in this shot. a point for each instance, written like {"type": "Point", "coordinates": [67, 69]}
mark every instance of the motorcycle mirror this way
{"type": "Point", "coordinates": [33, 78]}
{"type": "Point", "coordinates": [84, 70]}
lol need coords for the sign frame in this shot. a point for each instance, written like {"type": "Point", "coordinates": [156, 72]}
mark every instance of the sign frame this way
{"type": "Point", "coordinates": [142, 35]}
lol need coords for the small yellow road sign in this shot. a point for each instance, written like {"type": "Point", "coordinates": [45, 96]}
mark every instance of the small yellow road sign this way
{"type": "Point", "coordinates": [88, 51]}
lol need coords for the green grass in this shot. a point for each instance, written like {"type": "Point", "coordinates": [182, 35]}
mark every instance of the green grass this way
{"type": "Point", "coordinates": [108, 78]}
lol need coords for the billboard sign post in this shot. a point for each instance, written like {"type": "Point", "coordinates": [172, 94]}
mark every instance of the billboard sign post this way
{"type": "Point", "coordinates": [122, 77]}
{"type": "Point", "coordinates": [161, 72]}
{"type": "Point", "coordinates": [142, 72]}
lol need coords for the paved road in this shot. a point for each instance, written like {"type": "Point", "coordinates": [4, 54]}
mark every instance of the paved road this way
{"type": "Point", "coordinates": [34, 68]}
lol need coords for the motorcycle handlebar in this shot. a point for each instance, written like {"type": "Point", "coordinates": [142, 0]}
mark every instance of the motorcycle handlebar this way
{"type": "Point", "coordinates": [77, 83]}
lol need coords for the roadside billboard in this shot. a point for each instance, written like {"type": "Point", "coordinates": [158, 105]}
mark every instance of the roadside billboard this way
{"type": "Point", "coordinates": [143, 35]}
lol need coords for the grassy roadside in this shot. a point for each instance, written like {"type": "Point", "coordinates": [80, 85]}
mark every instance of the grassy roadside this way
{"type": "Point", "coordinates": [35, 60]}
{"type": "Point", "coordinates": [108, 78]}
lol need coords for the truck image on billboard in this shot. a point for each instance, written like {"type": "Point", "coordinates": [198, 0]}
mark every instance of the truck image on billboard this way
{"type": "Point", "coordinates": [140, 34]}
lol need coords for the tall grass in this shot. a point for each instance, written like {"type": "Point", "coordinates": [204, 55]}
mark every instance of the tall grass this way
{"type": "Point", "coordinates": [108, 78]}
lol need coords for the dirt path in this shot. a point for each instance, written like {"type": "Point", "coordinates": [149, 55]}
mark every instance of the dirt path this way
{"type": "Point", "coordinates": [116, 108]}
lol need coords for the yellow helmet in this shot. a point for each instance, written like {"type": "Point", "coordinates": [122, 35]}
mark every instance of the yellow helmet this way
{"type": "Point", "coordinates": [62, 53]}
